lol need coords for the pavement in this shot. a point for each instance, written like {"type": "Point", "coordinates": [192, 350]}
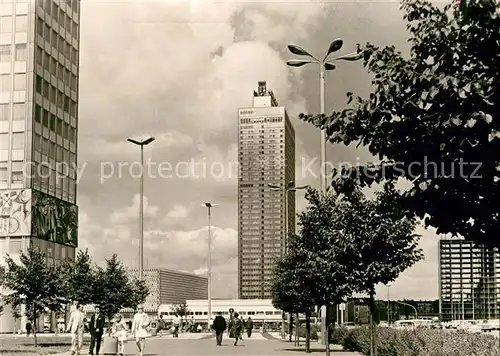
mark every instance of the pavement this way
{"type": "Point", "coordinates": [257, 345]}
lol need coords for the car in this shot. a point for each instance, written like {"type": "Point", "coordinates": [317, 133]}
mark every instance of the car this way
{"type": "Point", "coordinates": [383, 324]}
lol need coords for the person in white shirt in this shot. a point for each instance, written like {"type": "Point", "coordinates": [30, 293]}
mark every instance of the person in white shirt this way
{"type": "Point", "coordinates": [176, 322]}
{"type": "Point", "coordinates": [76, 327]}
{"type": "Point", "coordinates": [140, 328]}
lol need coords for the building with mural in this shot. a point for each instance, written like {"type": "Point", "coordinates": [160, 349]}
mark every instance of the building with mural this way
{"type": "Point", "coordinates": [39, 46]}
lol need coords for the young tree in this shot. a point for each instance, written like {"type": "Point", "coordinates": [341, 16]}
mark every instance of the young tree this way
{"type": "Point", "coordinates": [35, 283]}
{"type": "Point", "coordinates": [377, 243]}
{"type": "Point", "coordinates": [433, 117]}
{"type": "Point", "coordinates": [113, 290]}
{"type": "Point", "coordinates": [138, 291]}
{"type": "Point", "coordinates": [181, 310]}
{"type": "Point", "coordinates": [81, 279]}
{"type": "Point", "coordinates": [288, 286]}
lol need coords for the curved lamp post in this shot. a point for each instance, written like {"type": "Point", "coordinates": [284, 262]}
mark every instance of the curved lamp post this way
{"type": "Point", "coordinates": [209, 207]}
{"type": "Point", "coordinates": [324, 65]}
{"type": "Point", "coordinates": [141, 143]}
{"type": "Point", "coordinates": [408, 305]}
{"type": "Point", "coordinates": [289, 187]}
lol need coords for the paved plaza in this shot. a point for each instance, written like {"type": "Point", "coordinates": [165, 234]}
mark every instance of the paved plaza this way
{"type": "Point", "coordinates": [169, 346]}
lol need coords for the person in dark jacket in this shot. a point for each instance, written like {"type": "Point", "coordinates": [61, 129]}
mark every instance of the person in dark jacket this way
{"type": "Point", "coordinates": [96, 329]}
{"type": "Point", "coordinates": [249, 326]}
{"type": "Point", "coordinates": [235, 328]}
{"type": "Point", "coordinates": [219, 326]}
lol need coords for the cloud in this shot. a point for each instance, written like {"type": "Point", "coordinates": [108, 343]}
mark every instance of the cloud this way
{"type": "Point", "coordinates": [179, 71]}
{"type": "Point", "coordinates": [125, 215]}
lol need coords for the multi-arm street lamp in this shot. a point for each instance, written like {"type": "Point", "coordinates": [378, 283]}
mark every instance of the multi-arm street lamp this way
{"type": "Point", "coordinates": [325, 64]}
{"type": "Point", "coordinates": [209, 207]}
{"type": "Point", "coordinates": [141, 143]}
{"type": "Point", "coordinates": [289, 187]}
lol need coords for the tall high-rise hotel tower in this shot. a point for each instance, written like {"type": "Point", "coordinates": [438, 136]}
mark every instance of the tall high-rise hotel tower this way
{"type": "Point", "coordinates": [266, 155]}
{"type": "Point", "coordinates": [39, 46]}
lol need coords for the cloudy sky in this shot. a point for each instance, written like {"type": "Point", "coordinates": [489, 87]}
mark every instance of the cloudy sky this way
{"type": "Point", "coordinates": [179, 70]}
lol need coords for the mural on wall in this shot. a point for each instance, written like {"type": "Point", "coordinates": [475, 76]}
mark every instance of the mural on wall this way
{"type": "Point", "coordinates": [15, 212]}
{"type": "Point", "coordinates": [54, 219]}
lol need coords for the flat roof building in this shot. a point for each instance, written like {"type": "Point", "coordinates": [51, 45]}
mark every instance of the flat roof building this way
{"type": "Point", "coordinates": [469, 281]}
{"type": "Point", "coordinates": [39, 68]}
{"type": "Point", "coordinates": [266, 155]}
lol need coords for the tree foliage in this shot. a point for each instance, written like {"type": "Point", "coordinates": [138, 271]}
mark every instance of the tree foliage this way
{"type": "Point", "coordinates": [114, 290]}
{"type": "Point", "coordinates": [181, 309]}
{"type": "Point", "coordinates": [35, 283]}
{"type": "Point", "coordinates": [81, 279]}
{"type": "Point", "coordinates": [433, 118]}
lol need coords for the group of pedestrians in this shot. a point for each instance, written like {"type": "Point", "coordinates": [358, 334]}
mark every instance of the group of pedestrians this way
{"type": "Point", "coordinates": [234, 327]}
{"type": "Point", "coordinates": [119, 330]}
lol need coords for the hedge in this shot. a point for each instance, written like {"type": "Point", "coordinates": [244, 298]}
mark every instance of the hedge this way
{"type": "Point", "coordinates": [419, 342]}
{"type": "Point", "coordinates": [314, 332]}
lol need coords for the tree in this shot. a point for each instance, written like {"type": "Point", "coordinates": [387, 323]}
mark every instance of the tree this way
{"type": "Point", "coordinates": [377, 243]}
{"type": "Point", "coordinates": [181, 310]}
{"type": "Point", "coordinates": [113, 290]}
{"type": "Point", "coordinates": [139, 292]}
{"type": "Point", "coordinates": [35, 283]}
{"type": "Point", "coordinates": [81, 279]}
{"type": "Point", "coordinates": [288, 286]}
{"type": "Point", "coordinates": [433, 118]}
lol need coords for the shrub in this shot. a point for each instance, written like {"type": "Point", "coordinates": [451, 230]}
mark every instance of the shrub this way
{"type": "Point", "coordinates": [338, 334]}
{"type": "Point", "coordinates": [421, 342]}
{"type": "Point", "coordinates": [314, 332]}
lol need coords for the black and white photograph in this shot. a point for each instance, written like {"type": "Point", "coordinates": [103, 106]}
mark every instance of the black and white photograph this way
{"type": "Point", "coordinates": [250, 178]}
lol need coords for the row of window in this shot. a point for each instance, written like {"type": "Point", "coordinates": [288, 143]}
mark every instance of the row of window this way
{"type": "Point", "coordinates": [18, 112]}
{"type": "Point", "coordinates": [7, 23]}
{"type": "Point", "coordinates": [18, 84]}
{"type": "Point", "coordinates": [55, 124]}
{"type": "Point", "coordinates": [53, 10]}
{"type": "Point", "coordinates": [17, 52]}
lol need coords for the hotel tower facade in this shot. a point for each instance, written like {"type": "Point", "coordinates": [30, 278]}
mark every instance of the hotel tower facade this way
{"type": "Point", "coordinates": [266, 155]}
{"type": "Point", "coordinates": [39, 55]}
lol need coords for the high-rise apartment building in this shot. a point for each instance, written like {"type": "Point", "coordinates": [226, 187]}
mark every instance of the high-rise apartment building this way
{"type": "Point", "coordinates": [266, 155]}
{"type": "Point", "coordinates": [39, 46]}
{"type": "Point", "coordinates": [469, 281]}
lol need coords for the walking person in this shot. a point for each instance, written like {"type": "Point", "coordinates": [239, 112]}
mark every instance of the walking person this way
{"type": "Point", "coordinates": [140, 329]}
{"type": "Point", "coordinates": [235, 328]}
{"type": "Point", "coordinates": [242, 324]}
{"type": "Point", "coordinates": [119, 331]}
{"type": "Point", "coordinates": [177, 322]}
{"type": "Point", "coordinates": [249, 326]}
{"type": "Point", "coordinates": [28, 328]}
{"type": "Point", "coordinates": [96, 329]}
{"type": "Point", "coordinates": [75, 327]}
{"type": "Point", "coordinates": [219, 326]}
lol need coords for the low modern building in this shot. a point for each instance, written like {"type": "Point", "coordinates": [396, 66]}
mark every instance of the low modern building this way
{"type": "Point", "coordinates": [469, 281]}
{"type": "Point", "coordinates": [167, 287]}
{"type": "Point", "coordinates": [260, 310]}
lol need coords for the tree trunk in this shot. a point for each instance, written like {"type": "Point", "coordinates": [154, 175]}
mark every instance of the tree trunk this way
{"type": "Point", "coordinates": [308, 332]}
{"type": "Point", "coordinates": [327, 332]}
{"type": "Point", "coordinates": [35, 329]}
{"type": "Point", "coordinates": [290, 326]}
{"type": "Point", "coordinates": [297, 327]}
{"type": "Point", "coordinates": [373, 347]}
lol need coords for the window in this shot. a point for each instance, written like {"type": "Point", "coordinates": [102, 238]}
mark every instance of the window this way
{"type": "Point", "coordinates": [5, 53]}
{"type": "Point", "coordinates": [59, 127]}
{"type": "Point", "coordinates": [20, 81]}
{"type": "Point", "coordinates": [17, 172]}
{"type": "Point", "coordinates": [52, 123]}
{"type": "Point", "coordinates": [6, 24]}
{"type": "Point", "coordinates": [39, 84]}
{"type": "Point", "coordinates": [38, 113]}
{"type": "Point", "coordinates": [3, 172]}
{"type": "Point", "coordinates": [4, 112]}
{"type": "Point", "coordinates": [65, 130]}
{"type": "Point", "coordinates": [17, 140]}
{"type": "Point", "coordinates": [4, 141]}
{"type": "Point", "coordinates": [19, 112]}
{"type": "Point", "coordinates": [39, 26]}
{"type": "Point", "coordinates": [45, 118]}
{"type": "Point", "coordinates": [21, 23]}
{"type": "Point", "coordinates": [72, 134]}
{"type": "Point", "coordinates": [5, 82]}
{"type": "Point", "coordinates": [39, 56]}
{"type": "Point", "coordinates": [21, 53]}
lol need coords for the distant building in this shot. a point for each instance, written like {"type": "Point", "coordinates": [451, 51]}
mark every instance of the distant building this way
{"type": "Point", "coordinates": [167, 287]}
{"type": "Point", "coordinates": [469, 280]}
{"type": "Point", "coordinates": [266, 155]}
{"type": "Point", "coordinates": [260, 310]}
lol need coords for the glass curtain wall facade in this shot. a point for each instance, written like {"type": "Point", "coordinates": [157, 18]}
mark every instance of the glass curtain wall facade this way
{"type": "Point", "coordinates": [39, 50]}
{"type": "Point", "coordinates": [469, 281]}
{"type": "Point", "coordinates": [266, 155]}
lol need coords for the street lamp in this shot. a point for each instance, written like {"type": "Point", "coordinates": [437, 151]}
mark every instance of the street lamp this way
{"type": "Point", "coordinates": [209, 207]}
{"type": "Point", "coordinates": [289, 187]}
{"type": "Point", "coordinates": [325, 64]}
{"type": "Point", "coordinates": [141, 143]}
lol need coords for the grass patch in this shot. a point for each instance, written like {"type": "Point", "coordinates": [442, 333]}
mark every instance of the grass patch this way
{"type": "Point", "coordinates": [23, 346]}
